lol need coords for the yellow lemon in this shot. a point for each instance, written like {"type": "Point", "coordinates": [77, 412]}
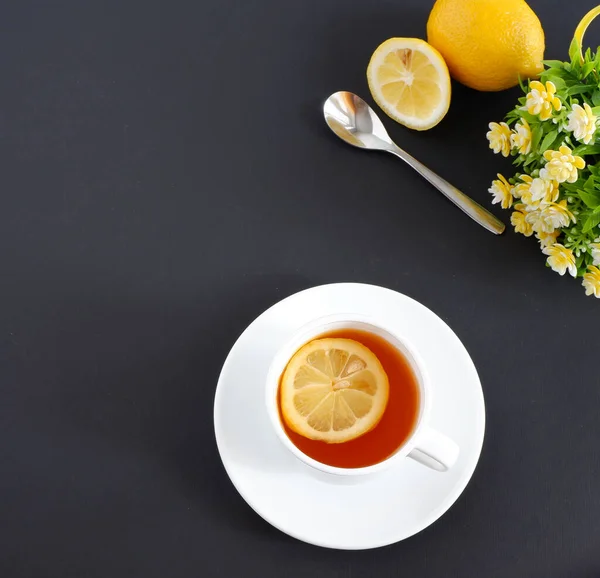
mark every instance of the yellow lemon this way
{"type": "Point", "coordinates": [409, 80]}
{"type": "Point", "coordinates": [487, 44]}
{"type": "Point", "coordinates": [333, 390]}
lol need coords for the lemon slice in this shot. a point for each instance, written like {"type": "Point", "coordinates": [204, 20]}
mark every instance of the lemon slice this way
{"type": "Point", "coordinates": [409, 80]}
{"type": "Point", "coordinates": [333, 390]}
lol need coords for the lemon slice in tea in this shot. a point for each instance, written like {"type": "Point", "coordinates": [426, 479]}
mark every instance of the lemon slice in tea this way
{"type": "Point", "coordinates": [333, 390]}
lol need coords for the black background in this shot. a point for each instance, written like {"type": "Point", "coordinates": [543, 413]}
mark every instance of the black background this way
{"type": "Point", "coordinates": [165, 176]}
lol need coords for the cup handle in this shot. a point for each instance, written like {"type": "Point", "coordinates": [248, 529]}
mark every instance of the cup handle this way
{"type": "Point", "coordinates": [435, 450]}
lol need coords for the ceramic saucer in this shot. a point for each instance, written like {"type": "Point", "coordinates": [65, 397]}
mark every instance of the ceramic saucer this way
{"type": "Point", "coordinates": [392, 505]}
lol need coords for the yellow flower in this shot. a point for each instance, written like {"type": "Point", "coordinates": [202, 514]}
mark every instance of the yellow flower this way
{"type": "Point", "coordinates": [521, 137]}
{"type": "Point", "coordinates": [501, 190]}
{"type": "Point", "coordinates": [547, 239]}
{"type": "Point", "coordinates": [591, 281]}
{"type": "Point", "coordinates": [547, 218]}
{"type": "Point", "coordinates": [522, 188]}
{"type": "Point", "coordinates": [541, 99]}
{"type": "Point", "coordinates": [519, 221]}
{"type": "Point", "coordinates": [535, 193]}
{"type": "Point", "coordinates": [561, 259]}
{"type": "Point", "coordinates": [534, 218]}
{"type": "Point", "coordinates": [595, 249]}
{"type": "Point", "coordinates": [582, 123]}
{"type": "Point", "coordinates": [557, 215]}
{"type": "Point", "coordinates": [562, 165]}
{"type": "Point", "coordinates": [540, 192]}
{"type": "Point", "coordinates": [499, 137]}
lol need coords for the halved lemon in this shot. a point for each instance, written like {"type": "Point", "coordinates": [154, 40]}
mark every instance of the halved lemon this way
{"type": "Point", "coordinates": [333, 390]}
{"type": "Point", "coordinates": [409, 80]}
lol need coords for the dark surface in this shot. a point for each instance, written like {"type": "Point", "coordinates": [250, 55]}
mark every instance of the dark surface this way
{"type": "Point", "coordinates": [166, 176]}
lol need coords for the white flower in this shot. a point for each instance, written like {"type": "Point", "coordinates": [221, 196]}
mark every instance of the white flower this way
{"type": "Point", "coordinates": [521, 137]}
{"type": "Point", "coordinates": [562, 165]}
{"type": "Point", "coordinates": [550, 217]}
{"type": "Point", "coordinates": [582, 123]}
{"type": "Point", "coordinates": [519, 221]}
{"type": "Point", "coordinates": [557, 215]}
{"type": "Point", "coordinates": [547, 239]}
{"type": "Point", "coordinates": [595, 250]}
{"type": "Point", "coordinates": [561, 259]}
{"type": "Point", "coordinates": [534, 218]}
{"type": "Point", "coordinates": [591, 281]}
{"type": "Point", "coordinates": [540, 192]}
{"type": "Point", "coordinates": [522, 188]}
{"type": "Point", "coordinates": [499, 137]}
{"type": "Point", "coordinates": [501, 191]}
{"type": "Point", "coordinates": [541, 99]}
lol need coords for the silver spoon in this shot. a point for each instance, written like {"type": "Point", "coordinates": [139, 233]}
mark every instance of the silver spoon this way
{"type": "Point", "coordinates": [355, 122]}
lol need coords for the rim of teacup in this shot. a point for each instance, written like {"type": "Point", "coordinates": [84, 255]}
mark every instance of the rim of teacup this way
{"type": "Point", "coordinates": [326, 324]}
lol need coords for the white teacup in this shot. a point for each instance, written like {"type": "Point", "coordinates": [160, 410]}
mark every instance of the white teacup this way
{"type": "Point", "coordinates": [425, 444]}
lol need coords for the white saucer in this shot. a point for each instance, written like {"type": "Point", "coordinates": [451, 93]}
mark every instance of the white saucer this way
{"type": "Point", "coordinates": [387, 508]}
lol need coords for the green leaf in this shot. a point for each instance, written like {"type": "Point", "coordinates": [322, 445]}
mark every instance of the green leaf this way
{"type": "Point", "coordinates": [594, 170]}
{"type": "Point", "coordinates": [553, 63]}
{"type": "Point", "coordinates": [574, 49]}
{"type": "Point", "coordinates": [553, 74]}
{"type": "Point", "coordinates": [589, 184]}
{"type": "Point", "coordinates": [571, 188]}
{"type": "Point", "coordinates": [592, 200]}
{"type": "Point", "coordinates": [587, 98]}
{"type": "Point", "coordinates": [586, 150]}
{"type": "Point", "coordinates": [558, 72]}
{"type": "Point", "coordinates": [536, 136]}
{"type": "Point", "coordinates": [578, 89]}
{"type": "Point", "coordinates": [588, 67]}
{"type": "Point", "coordinates": [592, 221]}
{"type": "Point", "coordinates": [548, 140]}
{"type": "Point", "coordinates": [557, 81]}
{"type": "Point", "coordinates": [530, 118]}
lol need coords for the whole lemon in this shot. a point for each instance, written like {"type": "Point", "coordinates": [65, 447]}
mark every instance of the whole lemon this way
{"type": "Point", "coordinates": [487, 44]}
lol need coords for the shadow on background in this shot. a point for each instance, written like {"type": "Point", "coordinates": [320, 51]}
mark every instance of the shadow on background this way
{"type": "Point", "coordinates": [134, 380]}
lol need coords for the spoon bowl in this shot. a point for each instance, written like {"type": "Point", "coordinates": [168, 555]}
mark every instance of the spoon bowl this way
{"type": "Point", "coordinates": [355, 122]}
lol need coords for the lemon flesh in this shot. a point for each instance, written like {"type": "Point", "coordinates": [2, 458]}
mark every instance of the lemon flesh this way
{"type": "Point", "coordinates": [333, 390]}
{"type": "Point", "coordinates": [409, 80]}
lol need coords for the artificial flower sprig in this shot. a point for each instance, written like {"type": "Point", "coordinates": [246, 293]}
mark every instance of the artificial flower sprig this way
{"type": "Point", "coordinates": [554, 136]}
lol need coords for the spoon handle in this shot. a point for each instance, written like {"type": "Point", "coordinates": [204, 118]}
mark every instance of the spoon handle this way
{"type": "Point", "coordinates": [467, 204]}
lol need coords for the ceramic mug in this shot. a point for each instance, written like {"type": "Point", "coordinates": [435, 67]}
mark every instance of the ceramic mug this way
{"type": "Point", "coordinates": [425, 444]}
